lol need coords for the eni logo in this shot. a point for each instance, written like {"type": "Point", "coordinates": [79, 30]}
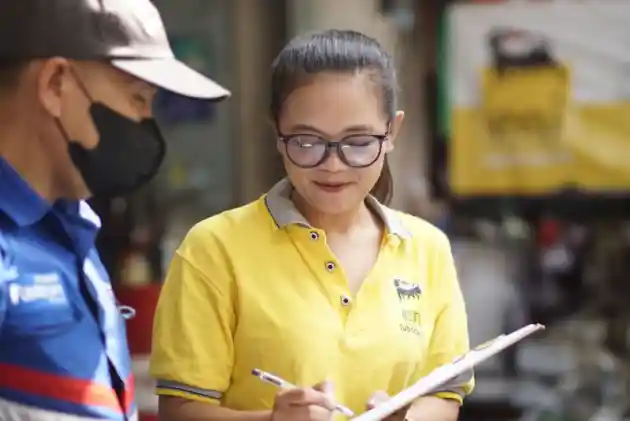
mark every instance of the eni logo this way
{"type": "Point", "coordinates": [406, 290]}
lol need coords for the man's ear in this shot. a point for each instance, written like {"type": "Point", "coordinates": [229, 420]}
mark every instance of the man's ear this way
{"type": "Point", "coordinates": [52, 82]}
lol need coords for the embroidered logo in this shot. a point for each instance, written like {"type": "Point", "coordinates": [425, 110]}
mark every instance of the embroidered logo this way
{"type": "Point", "coordinates": [409, 295]}
{"type": "Point", "coordinates": [41, 287]}
{"type": "Point", "coordinates": [406, 290]}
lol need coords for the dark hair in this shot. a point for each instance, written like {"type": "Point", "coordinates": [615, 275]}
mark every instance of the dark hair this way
{"type": "Point", "coordinates": [338, 51]}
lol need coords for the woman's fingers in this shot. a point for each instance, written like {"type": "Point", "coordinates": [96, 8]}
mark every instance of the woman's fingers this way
{"type": "Point", "coordinates": [377, 399]}
{"type": "Point", "coordinates": [307, 396]}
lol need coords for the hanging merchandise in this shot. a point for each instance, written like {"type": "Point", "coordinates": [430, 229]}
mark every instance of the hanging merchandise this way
{"type": "Point", "coordinates": [539, 95]}
{"type": "Point", "coordinates": [556, 288]}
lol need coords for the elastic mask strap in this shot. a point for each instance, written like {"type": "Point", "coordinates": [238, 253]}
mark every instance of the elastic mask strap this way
{"type": "Point", "coordinates": [82, 86]}
{"type": "Point", "coordinates": [85, 91]}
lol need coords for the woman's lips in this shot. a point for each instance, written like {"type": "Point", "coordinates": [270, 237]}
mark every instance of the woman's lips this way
{"type": "Point", "coordinates": [331, 187]}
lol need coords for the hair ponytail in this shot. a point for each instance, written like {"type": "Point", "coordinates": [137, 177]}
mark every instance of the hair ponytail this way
{"type": "Point", "coordinates": [383, 190]}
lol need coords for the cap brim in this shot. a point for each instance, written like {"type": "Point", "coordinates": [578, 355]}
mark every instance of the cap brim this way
{"type": "Point", "coordinates": [174, 76]}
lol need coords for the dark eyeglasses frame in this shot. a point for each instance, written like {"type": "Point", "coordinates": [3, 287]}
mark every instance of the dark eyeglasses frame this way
{"type": "Point", "coordinates": [334, 144]}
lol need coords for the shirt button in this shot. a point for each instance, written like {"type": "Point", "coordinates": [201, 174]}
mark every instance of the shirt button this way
{"type": "Point", "coordinates": [314, 235]}
{"type": "Point", "coordinates": [330, 266]}
{"type": "Point", "coordinates": [345, 300]}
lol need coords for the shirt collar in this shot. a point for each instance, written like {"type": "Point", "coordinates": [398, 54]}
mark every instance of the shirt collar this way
{"type": "Point", "coordinates": [18, 200]}
{"type": "Point", "coordinates": [25, 207]}
{"type": "Point", "coordinates": [283, 211]}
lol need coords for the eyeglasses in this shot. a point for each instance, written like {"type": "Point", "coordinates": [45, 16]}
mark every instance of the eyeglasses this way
{"type": "Point", "coordinates": [356, 151]}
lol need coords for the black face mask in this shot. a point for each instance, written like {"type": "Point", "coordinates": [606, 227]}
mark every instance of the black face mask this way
{"type": "Point", "coordinates": [128, 153]}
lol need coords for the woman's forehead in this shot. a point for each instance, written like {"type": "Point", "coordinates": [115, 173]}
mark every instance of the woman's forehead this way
{"type": "Point", "coordinates": [333, 102]}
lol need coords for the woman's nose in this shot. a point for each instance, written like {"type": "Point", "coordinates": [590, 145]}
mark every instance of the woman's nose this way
{"type": "Point", "coordinates": [334, 162]}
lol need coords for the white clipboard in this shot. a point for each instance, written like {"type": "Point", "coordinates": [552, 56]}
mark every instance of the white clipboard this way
{"type": "Point", "coordinates": [441, 375]}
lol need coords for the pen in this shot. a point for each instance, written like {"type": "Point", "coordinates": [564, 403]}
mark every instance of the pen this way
{"type": "Point", "coordinates": [278, 382]}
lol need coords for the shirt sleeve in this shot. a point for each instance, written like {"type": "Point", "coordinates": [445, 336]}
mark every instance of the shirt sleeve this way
{"type": "Point", "coordinates": [450, 334]}
{"type": "Point", "coordinates": [192, 353]}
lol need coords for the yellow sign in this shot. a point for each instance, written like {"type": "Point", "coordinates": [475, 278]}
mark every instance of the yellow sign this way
{"type": "Point", "coordinates": [528, 137]}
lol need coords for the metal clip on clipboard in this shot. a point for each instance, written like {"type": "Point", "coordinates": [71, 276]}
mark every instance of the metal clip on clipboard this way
{"type": "Point", "coordinates": [445, 373]}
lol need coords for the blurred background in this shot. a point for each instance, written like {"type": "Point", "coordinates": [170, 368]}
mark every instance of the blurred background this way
{"type": "Point", "coordinates": [516, 143]}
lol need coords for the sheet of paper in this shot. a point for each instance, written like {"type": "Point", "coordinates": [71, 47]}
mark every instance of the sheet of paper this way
{"type": "Point", "coordinates": [438, 377]}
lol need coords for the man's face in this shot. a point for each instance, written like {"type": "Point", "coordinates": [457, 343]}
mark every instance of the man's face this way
{"type": "Point", "coordinates": [66, 90]}
{"type": "Point", "coordinates": [99, 82]}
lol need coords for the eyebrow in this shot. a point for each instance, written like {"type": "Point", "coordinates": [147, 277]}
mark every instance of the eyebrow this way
{"type": "Point", "coordinates": [350, 129]}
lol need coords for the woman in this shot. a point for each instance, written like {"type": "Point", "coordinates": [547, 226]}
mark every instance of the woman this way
{"type": "Point", "coordinates": [317, 282]}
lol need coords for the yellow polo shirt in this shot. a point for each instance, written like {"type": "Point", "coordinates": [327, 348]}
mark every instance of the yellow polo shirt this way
{"type": "Point", "coordinates": [257, 287]}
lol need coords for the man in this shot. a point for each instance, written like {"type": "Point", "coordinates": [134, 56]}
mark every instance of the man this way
{"type": "Point", "coordinates": [77, 78]}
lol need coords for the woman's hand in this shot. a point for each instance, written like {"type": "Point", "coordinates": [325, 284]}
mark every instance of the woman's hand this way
{"type": "Point", "coordinates": [304, 404]}
{"type": "Point", "coordinates": [380, 397]}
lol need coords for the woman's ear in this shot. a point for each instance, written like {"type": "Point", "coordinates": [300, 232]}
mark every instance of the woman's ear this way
{"type": "Point", "coordinates": [274, 126]}
{"type": "Point", "coordinates": [395, 125]}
